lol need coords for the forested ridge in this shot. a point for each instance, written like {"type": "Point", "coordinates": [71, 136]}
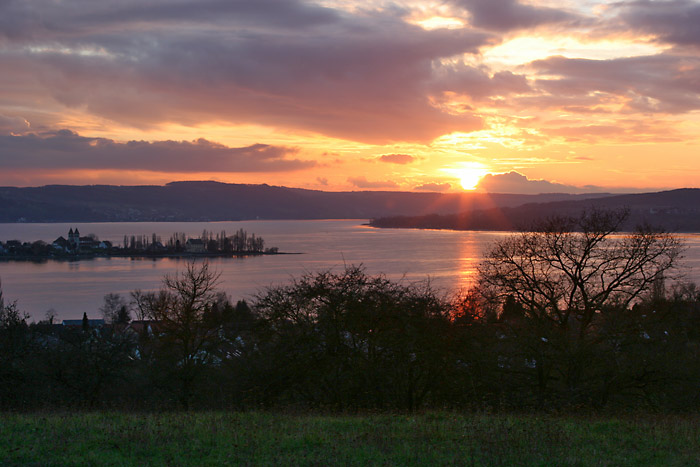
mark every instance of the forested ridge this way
{"type": "Point", "coordinates": [213, 201]}
{"type": "Point", "coordinates": [675, 210]}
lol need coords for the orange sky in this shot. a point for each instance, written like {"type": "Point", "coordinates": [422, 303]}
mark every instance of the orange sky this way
{"type": "Point", "coordinates": [348, 95]}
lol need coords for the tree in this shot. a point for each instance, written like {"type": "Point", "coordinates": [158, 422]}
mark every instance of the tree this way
{"type": "Point", "coordinates": [571, 268]}
{"type": "Point", "coordinates": [13, 351]}
{"type": "Point", "coordinates": [567, 276]}
{"type": "Point", "coordinates": [353, 340]}
{"type": "Point", "coordinates": [49, 316]}
{"type": "Point", "coordinates": [115, 310]}
{"type": "Point", "coordinates": [181, 311]}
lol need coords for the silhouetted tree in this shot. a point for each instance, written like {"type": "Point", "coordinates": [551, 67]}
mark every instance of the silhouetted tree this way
{"type": "Point", "coordinates": [84, 368]}
{"type": "Point", "coordinates": [353, 340]}
{"type": "Point", "coordinates": [13, 351]}
{"type": "Point", "coordinates": [181, 311]}
{"type": "Point", "coordinates": [115, 309]}
{"type": "Point", "coordinates": [567, 276]}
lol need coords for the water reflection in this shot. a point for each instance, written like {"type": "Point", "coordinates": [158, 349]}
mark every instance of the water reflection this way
{"type": "Point", "coordinates": [470, 255]}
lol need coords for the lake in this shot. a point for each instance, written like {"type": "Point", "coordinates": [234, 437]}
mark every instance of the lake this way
{"type": "Point", "coordinates": [446, 258]}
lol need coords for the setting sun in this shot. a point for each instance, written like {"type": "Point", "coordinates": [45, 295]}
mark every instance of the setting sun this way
{"type": "Point", "coordinates": [469, 178]}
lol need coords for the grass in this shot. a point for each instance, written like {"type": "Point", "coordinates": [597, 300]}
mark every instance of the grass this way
{"type": "Point", "coordinates": [218, 438]}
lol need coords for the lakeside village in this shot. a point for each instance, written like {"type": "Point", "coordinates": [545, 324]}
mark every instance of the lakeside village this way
{"type": "Point", "coordinates": [179, 244]}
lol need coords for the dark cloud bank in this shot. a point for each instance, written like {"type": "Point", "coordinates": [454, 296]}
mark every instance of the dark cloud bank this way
{"type": "Point", "coordinates": [366, 76]}
{"type": "Point", "coordinates": [67, 150]}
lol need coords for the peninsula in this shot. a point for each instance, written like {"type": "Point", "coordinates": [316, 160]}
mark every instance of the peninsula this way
{"type": "Point", "coordinates": [75, 246]}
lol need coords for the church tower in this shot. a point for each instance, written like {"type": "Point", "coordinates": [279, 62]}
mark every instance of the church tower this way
{"type": "Point", "coordinates": [74, 238]}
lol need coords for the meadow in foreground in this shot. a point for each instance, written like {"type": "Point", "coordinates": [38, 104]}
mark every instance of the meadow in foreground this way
{"type": "Point", "coordinates": [218, 438]}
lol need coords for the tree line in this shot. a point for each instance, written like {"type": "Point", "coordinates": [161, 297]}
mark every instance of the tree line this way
{"type": "Point", "coordinates": [568, 315]}
{"type": "Point", "coordinates": [240, 242]}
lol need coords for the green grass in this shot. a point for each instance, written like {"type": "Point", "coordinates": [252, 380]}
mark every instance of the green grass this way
{"type": "Point", "coordinates": [217, 438]}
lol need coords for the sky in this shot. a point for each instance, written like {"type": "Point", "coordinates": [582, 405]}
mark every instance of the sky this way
{"type": "Point", "coordinates": [411, 95]}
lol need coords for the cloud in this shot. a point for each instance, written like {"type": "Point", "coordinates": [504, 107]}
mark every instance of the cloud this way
{"type": "Point", "coordinates": [477, 83]}
{"type": "Point", "coordinates": [322, 181]}
{"type": "Point", "coordinates": [517, 183]}
{"type": "Point", "coordinates": [671, 21]}
{"type": "Point", "coordinates": [433, 187]}
{"type": "Point", "coordinates": [75, 18]}
{"type": "Point", "coordinates": [648, 84]}
{"type": "Point", "coordinates": [66, 150]}
{"type": "Point", "coordinates": [514, 182]}
{"type": "Point", "coordinates": [397, 158]}
{"type": "Point", "coordinates": [362, 182]}
{"type": "Point", "coordinates": [508, 15]}
{"type": "Point", "coordinates": [364, 76]}
{"type": "Point", "coordinates": [621, 130]}
{"type": "Point", "coordinates": [10, 125]}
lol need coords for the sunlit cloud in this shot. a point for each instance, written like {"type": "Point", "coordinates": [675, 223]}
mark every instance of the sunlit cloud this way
{"type": "Point", "coordinates": [397, 158]}
{"type": "Point", "coordinates": [514, 182]}
{"type": "Point", "coordinates": [362, 182]}
{"type": "Point", "coordinates": [433, 187]}
{"type": "Point", "coordinates": [525, 49]}
{"type": "Point", "coordinates": [440, 22]}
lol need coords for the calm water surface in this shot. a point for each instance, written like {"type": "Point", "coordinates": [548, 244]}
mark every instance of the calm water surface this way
{"type": "Point", "coordinates": [446, 258]}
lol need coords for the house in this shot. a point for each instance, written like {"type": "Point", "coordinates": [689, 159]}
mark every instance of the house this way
{"type": "Point", "coordinates": [61, 244]}
{"type": "Point", "coordinates": [88, 242]}
{"type": "Point", "coordinates": [144, 327]}
{"type": "Point", "coordinates": [76, 242]}
{"type": "Point", "coordinates": [194, 245]}
{"type": "Point", "coordinates": [156, 247]}
{"type": "Point", "coordinates": [78, 323]}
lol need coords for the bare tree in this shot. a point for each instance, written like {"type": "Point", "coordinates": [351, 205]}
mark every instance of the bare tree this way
{"type": "Point", "coordinates": [570, 279]}
{"type": "Point", "coordinates": [573, 268]}
{"type": "Point", "coordinates": [182, 313]}
{"type": "Point", "coordinates": [115, 309]}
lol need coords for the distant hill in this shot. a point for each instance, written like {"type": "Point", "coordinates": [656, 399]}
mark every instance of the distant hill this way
{"type": "Point", "coordinates": [212, 201]}
{"type": "Point", "coordinates": [675, 210]}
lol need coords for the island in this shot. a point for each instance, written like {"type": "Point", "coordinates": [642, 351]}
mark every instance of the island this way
{"type": "Point", "coordinates": [75, 246]}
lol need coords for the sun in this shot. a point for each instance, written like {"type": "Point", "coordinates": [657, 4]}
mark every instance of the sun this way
{"type": "Point", "coordinates": [470, 177]}
{"type": "Point", "coordinates": [469, 174]}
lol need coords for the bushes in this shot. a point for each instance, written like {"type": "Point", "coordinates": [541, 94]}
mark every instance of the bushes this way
{"type": "Point", "coordinates": [349, 340]}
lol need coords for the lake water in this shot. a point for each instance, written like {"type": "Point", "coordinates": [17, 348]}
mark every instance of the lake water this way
{"type": "Point", "coordinates": [446, 258]}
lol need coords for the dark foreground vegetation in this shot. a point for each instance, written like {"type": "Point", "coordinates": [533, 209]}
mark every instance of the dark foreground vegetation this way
{"type": "Point", "coordinates": [563, 318]}
{"type": "Point", "coordinates": [215, 438]}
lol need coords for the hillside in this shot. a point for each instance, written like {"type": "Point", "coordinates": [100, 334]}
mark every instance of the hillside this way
{"type": "Point", "coordinates": [675, 210]}
{"type": "Point", "coordinates": [212, 201]}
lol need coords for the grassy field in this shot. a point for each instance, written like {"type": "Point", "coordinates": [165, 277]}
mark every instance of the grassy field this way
{"type": "Point", "coordinates": [215, 438]}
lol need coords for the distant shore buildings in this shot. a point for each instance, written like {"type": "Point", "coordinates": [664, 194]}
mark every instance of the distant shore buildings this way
{"type": "Point", "coordinates": [76, 243]}
{"type": "Point", "coordinates": [77, 246]}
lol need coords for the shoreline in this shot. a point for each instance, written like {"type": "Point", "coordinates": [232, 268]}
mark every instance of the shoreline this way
{"type": "Point", "coordinates": [79, 257]}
